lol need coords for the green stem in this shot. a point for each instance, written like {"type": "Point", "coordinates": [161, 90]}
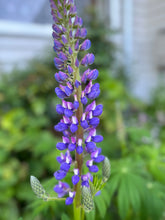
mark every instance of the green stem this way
{"type": "Point", "coordinates": [78, 157]}
{"type": "Point", "coordinates": [76, 211]}
{"type": "Point", "coordinates": [55, 198]}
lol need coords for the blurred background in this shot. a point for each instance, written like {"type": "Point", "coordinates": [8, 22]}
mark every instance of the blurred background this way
{"type": "Point", "coordinates": [128, 40]}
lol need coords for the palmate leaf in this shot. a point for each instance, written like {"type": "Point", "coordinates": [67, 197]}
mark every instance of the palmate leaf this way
{"type": "Point", "coordinates": [96, 185]}
{"type": "Point", "coordinates": [123, 201]}
{"type": "Point", "coordinates": [101, 206]}
{"type": "Point", "coordinates": [135, 191]}
{"type": "Point", "coordinates": [130, 185]}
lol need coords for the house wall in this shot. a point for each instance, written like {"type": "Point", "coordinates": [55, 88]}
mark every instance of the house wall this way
{"type": "Point", "coordinates": [20, 43]}
{"type": "Point", "coordinates": [149, 46]}
{"type": "Point", "coordinates": [142, 40]}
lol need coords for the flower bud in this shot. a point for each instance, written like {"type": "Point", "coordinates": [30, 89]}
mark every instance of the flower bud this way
{"type": "Point", "coordinates": [106, 169]}
{"type": "Point", "coordinates": [87, 199]}
{"type": "Point", "coordinates": [38, 188]}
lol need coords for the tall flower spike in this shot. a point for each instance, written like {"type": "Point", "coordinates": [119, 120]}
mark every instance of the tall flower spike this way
{"type": "Point", "coordinates": [80, 115]}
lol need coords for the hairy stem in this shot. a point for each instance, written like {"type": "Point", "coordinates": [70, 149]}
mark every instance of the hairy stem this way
{"type": "Point", "coordinates": [78, 157]}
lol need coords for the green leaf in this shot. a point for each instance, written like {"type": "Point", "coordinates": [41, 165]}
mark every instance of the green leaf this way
{"type": "Point", "coordinates": [90, 215]}
{"type": "Point", "coordinates": [123, 200]}
{"type": "Point", "coordinates": [65, 217]}
{"type": "Point", "coordinates": [101, 206]}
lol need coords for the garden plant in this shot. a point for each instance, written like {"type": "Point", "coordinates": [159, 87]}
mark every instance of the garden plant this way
{"type": "Point", "coordinates": [80, 113]}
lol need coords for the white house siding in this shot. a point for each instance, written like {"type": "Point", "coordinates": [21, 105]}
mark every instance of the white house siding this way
{"type": "Point", "coordinates": [21, 42]}
{"type": "Point", "coordinates": [142, 39]}
{"type": "Point", "coordinates": [148, 21]}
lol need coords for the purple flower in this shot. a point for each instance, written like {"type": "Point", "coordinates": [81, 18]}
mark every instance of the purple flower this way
{"type": "Point", "coordinates": [78, 123]}
{"type": "Point", "coordinates": [60, 174]}
{"type": "Point", "coordinates": [72, 145]}
{"type": "Point", "coordinates": [88, 59]}
{"type": "Point", "coordinates": [61, 94]}
{"type": "Point", "coordinates": [77, 83]}
{"type": "Point", "coordinates": [75, 178]}
{"type": "Point", "coordinates": [98, 110]}
{"type": "Point", "coordinates": [84, 100]}
{"type": "Point", "coordinates": [61, 127]}
{"type": "Point", "coordinates": [85, 45]}
{"type": "Point", "coordinates": [74, 125]}
{"type": "Point", "coordinates": [95, 91]}
{"type": "Point", "coordinates": [61, 189]}
{"type": "Point", "coordinates": [69, 200]}
{"type": "Point", "coordinates": [76, 103]}
{"type": "Point", "coordinates": [59, 109]}
{"type": "Point", "coordinates": [84, 122]}
{"type": "Point", "coordinates": [93, 74]}
{"type": "Point", "coordinates": [92, 168]}
{"type": "Point", "coordinates": [79, 148]}
{"type": "Point", "coordinates": [94, 121]}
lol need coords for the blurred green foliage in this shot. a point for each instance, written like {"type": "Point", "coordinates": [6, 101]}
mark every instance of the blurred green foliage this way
{"type": "Point", "coordinates": [134, 140]}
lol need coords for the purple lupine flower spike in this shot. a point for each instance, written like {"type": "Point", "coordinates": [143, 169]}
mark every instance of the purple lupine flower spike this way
{"type": "Point", "coordinates": [78, 108]}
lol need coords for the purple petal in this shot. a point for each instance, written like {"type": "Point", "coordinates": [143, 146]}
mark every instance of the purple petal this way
{"type": "Point", "coordinates": [68, 112]}
{"type": "Point", "coordinates": [99, 159]}
{"type": "Point", "coordinates": [65, 166]}
{"type": "Point", "coordinates": [58, 189]}
{"type": "Point", "coordinates": [75, 179]}
{"type": "Point", "coordinates": [77, 63]}
{"type": "Point", "coordinates": [57, 29]}
{"type": "Point", "coordinates": [76, 104]}
{"type": "Point", "coordinates": [60, 174]}
{"type": "Point", "coordinates": [63, 76]}
{"type": "Point", "coordinates": [95, 91]}
{"type": "Point", "coordinates": [60, 93]}
{"type": "Point", "coordinates": [70, 70]}
{"type": "Point", "coordinates": [68, 201]}
{"type": "Point", "coordinates": [79, 149]}
{"type": "Point", "coordinates": [97, 138]}
{"type": "Point", "coordinates": [94, 122]}
{"type": "Point", "coordinates": [61, 127]}
{"type": "Point", "coordinates": [73, 128]}
{"type": "Point", "coordinates": [68, 91]}
{"type": "Point", "coordinates": [70, 51]}
{"type": "Point", "coordinates": [71, 147]}
{"type": "Point", "coordinates": [85, 183]}
{"type": "Point", "coordinates": [93, 74]}
{"type": "Point", "coordinates": [58, 44]}
{"type": "Point", "coordinates": [77, 83]}
{"type": "Point", "coordinates": [59, 159]}
{"type": "Point", "coordinates": [76, 45]}
{"type": "Point", "coordinates": [59, 109]}
{"type": "Point", "coordinates": [61, 146]}
{"type": "Point", "coordinates": [91, 146]}
{"type": "Point", "coordinates": [98, 193]}
{"type": "Point", "coordinates": [85, 45]}
{"type": "Point", "coordinates": [84, 124]}
{"type": "Point", "coordinates": [93, 169]}
{"type": "Point", "coordinates": [84, 100]}
{"type": "Point", "coordinates": [83, 33]}
{"type": "Point", "coordinates": [98, 110]}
